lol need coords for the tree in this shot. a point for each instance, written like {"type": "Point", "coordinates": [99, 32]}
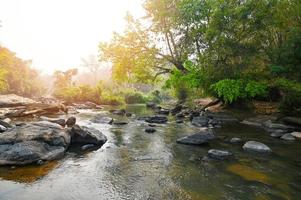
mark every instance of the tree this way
{"type": "Point", "coordinates": [93, 65]}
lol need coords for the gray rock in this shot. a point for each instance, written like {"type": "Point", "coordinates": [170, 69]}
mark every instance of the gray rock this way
{"type": "Point", "coordinates": [277, 134]}
{"type": "Point", "coordinates": [200, 121]}
{"type": "Point", "coordinates": [7, 120]}
{"type": "Point", "coordinates": [288, 137]}
{"type": "Point", "coordinates": [221, 117]}
{"type": "Point", "coordinates": [5, 124]}
{"type": "Point", "coordinates": [85, 135]}
{"type": "Point", "coordinates": [120, 122]}
{"type": "Point", "coordinates": [158, 119]}
{"type": "Point", "coordinates": [219, 154]}
{"type": "Point", "coordinates": [28, 152]}
{"type": "Point", "coordinates": [102, 119]}
{"type": "Point", "coordinates": [179, 121]}
{"type": "Point", "coordinates": [59, 121]}
{"type": "Point", "coordinates": [71, 121]}
{"type": "Point", "coordinates": [235, 140]}
{"type": "Point", "coordinates": [197, 139]}
{"type": "Point", "coordinates": [296, 135]}
{"type": "Point", "coordinates": [269, 125]}
{"type": "Point", "coordinates": [87, 146]}
{"type": "Point", "coordinates": [2, 129]}
{"type": "Point", "coordinates": [256, 147]}
{"type": "Point", "coordinates": [150, 130]}
{"type": "Point", "coordinates": [176, 109]}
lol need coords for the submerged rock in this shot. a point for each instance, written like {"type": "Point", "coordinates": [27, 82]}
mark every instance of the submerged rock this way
{"type": "Point", "coordinates": [120, 122]}
{"type": "Point", "coordinates": [288, 137]}
{"type": "Point", "coordinates": [85, 135]}
{"type": "Point", "coordinates": [158, 119]}
{"type": "Point", "coordinates": [200, 121]}
{"type": "Point", "coordinates": [102, 119]}
{"type": "Point", "coordinates": [219, 154]}
{"type": "Point", "coordinates": [256, 147]}
{"type": "Point", "coordinates": [200, 138]}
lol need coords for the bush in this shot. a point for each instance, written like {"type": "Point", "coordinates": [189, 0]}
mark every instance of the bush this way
{"type": "Point", "coordinates": [291, 104]}
{"type": "Point", "coordinates": [133, 96]}
{"type": "Point", "coordinates": [108, 98]}
{"type": "Point", "coordinates": [231, 90]}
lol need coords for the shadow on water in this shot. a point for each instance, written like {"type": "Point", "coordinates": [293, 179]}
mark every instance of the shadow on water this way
{"type": "Point", "coordinates": [137, 165]}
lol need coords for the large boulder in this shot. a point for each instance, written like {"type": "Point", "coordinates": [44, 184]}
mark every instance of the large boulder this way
{"type": "Point", "coordinates": [256, 147]}
{"type": "Point", "coordinates": [102, 119]}
{"type": "Point", "coordinates": [85, 135]}
{"type": "Point", "coordinates": [71, 121]}
{"type": "Point", "coordinates": [219, 154]}
{"type": "Point", "coordinates": [200, 138]}
{"type": "Point", "coordinates": [29, 143]}
{"type": "Point", "coordinates": [12, 100]}
{"type": "Point", "coordinates": [158, 119]}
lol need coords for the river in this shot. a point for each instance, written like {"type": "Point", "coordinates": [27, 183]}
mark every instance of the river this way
{"type": "Point", "coordinates": [138, 165]}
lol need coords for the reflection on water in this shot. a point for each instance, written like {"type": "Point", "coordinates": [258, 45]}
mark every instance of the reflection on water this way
{"type": "Point", "coordinates": [137, 165]}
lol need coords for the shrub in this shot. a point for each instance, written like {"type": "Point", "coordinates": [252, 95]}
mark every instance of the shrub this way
{"type": "Point", "coordinates": [133, 96]}
{"type": "Point", "coordinates": [291, 103]}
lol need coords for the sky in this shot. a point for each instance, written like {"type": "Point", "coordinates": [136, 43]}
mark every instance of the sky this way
{"type": "Point", "coordinates": [56, 34]}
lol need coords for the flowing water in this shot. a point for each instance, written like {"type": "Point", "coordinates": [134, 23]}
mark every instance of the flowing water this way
{"type": "Point", "coordinates": [137, 165]}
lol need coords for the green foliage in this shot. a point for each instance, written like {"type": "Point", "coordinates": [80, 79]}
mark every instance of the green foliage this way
{"type": "Point", "coordinates": [132, 97]}
{"type": "Point", "coordinates": [291, 103]}
{"type": "Point", "coordinates": [232, 90]}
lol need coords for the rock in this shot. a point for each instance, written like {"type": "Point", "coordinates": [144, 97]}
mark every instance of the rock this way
{"type": "Point", "coordinates": [179, 121]}
{"type": "Point", "coordinates": [87, 146]}
{"type": "Point", "coordinates": [7, 120]}
{"type": "Point", "coordinates": [294, 121]}
{"type": "Point", "coordinates": [32, 142]}
{"type": "Point", "coordinates": [71, 121]}
{"type": "Point", "coordinates": [40, 162]}
{"type": "Point", "coordinates": [59, 121]}
{"type": "Point", "coordinates": [119, 112]}
{"type": "Point", "coordinates": [102, 119]}
{"type": "Point", "coordinates": [180, 115]}
{"type": "Point", "coordinates": [270, 126]}
{"type": "Point", "coordinates": [219, 154]}
{"type": "Point", "coordinates": [150, 105]}
{"type": "Point", "coordinates": [256, 147]}
{"type": "Point", "coordinates": [2, 129]}
{"type": "Point", "coordinates": [28, 152]}
{"type": "Point", "coordinates": [150, 130]}
{"type": "Point", "coordinates": [128, 114]}
{"type": "Point", "coordinates": [85, 135]}
{"type": "Point", "coordinates": [221, 117]}
{"type": "Point", "coordinates": [176, 109]}
{"type": "Point", "coordinates": [152, 125]}
{"type": "Point", "coordinates": [200, 121]}
{"type": "Point", "coordinates": [157, 119]}
{"type": "Point", "coordinates": [5, 124]}
{"type": "Point", "coordinates": [235, 140]}
{"type": "Point", "coordinates": [120, 122]}
{"type": "Point", "coordinates": [197, 139]}
{"type": "Point", "coordinates": [288, 137]}
{"type": "Point", "coordinates": [277, 134]}
{"type": "Point", "coordinates": [296, 135]}
{"type": "Point", "coordinates": [12, 100]}
{"type": "Point", "coordinates": [163, 111]}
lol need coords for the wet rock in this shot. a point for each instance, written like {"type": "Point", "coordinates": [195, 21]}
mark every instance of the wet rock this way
{"type": "Point", "coordinates": [150, 105]}
{"type": "Point", "coordinates": [32, 142]}
{"type": "Point", "coordinates": [197, 139]}
{"type": "Point", "coordinates": [221, 117]}
{"type": "Point", "coordinates": [235, 140]}
{"type": "Point", "coordinates": [12, 100]}
{"type": "Point", "coordinates": [118, 112]}
{"type": "Point", "coordinates": [180, 115]}
{"type": "Point", "coordinates": [256, 147]}
{"type": "Point", "coordinates": [152, 125]}
{"type": "Point", "coordinates": [288, 137]}
{"type": "Point", "coordinates": [219, 154]}
{"type": "Point", "coordinates": [163, 111]}
{"type": "Point", "coordinates": [296, 135]}
{"type": "Point", "coordinates": [2, 129]}
{"type": "Point", "coordinates": [150, 130]}
{"type": "Point", "coordinates": [40, 162]}
{"type": "Point", "coordinates": [193, 114]}
{"type": "Point", "coordinates": [157, 119]}
{"type": "Point", "coordinates": [277, 134]}
{"type": "Point", "coordinates": [7, 120]}
{"type": "Point", "coordinates": [5, 124]}
{"type": "Point", "coordinates": [200, 121]}
{"type": "Point", "coordinates": [294, 121]}
{"type": "Point", "coordinates": [28, 152]}
{"type": "Point", "coordinates": [179, 121]}
{"type": "Point", "coordinates": [270, 126]}
{"type": "Point", "coordinates": [87, 146]}
{"type": "Point", "coordinates": [102, 119]}
{"type": "Point", "coordinates": [176, 109]}
{"type": "Point", "coordinates": [59, 121]}
{"type": "Point", "coordinates": [120, 122]}
{"type": "Point", "coordinates": [85, 135]}
{"type": "Point", "coordinates": [71, 121]}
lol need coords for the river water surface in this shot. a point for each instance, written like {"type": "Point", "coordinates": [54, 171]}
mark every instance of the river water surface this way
{"type": "Point", "coordinates": [137, 165]}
